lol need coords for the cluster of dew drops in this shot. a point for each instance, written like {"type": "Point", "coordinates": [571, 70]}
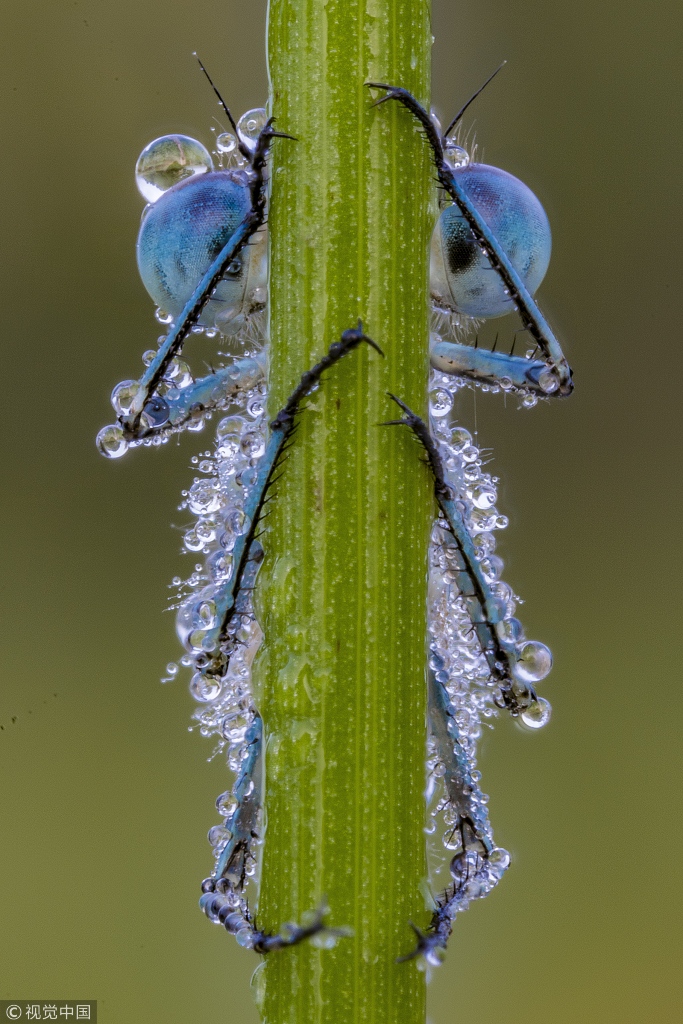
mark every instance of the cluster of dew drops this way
{"type": "Point", "coordinates": [455, 654]}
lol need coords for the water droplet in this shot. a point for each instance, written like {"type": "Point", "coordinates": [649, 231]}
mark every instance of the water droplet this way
{"type": "Point", "coordinates": [469, 453]}
{"type": "Point", "coordinates": [204, 497]}
{"type": "Point", "coordinates": [172, 669]}
{"type": "Point", "coordinates": [548, 382]}
{"type": "Point", "coordinates": [204, 615]}
{"type": "Point", "coordinates": [226, 804]}
{"type": "Point", "coordinates": [111, 442]}
{"type": "Point", "coordinates": [440, 402]}
{"type": "Point", "coordinates": [245, 938]}
{"type": "Point", "coordinates": [192, 540]}
{"type": "Point", "coordinates": [219, 835]}
{"type": "Point", "coordinates": [123, 395]}
{"type": "Point", "coordinates": [253, 445]}
{"type": "Point", "coordinates": [167, 161]}
{"type": "Point", "coordinates": [537, 714]}
{"type": "Point", "coordinates": [455, 155]}
{"type": "Point", "coordinates": [255, 406]}
{"type": "Point", "coordinates": [529, 401]}
{"type": "Point", "coordinates": [204, 688]}
{"type": "Point", "coordinates": [460, 438]}
{"type": "Point", "coordinates": [534, 662]}
{"type": "Point", "coordinates": [484, 495]}
{"type": "Point", "coordinates": [234, 726]}
{"type": "Point", "coordinates": [226, 142]}
{"type": "Point", "coordinates": [250, 124]}
{"type": "Point", "coordinates": [499, 860]}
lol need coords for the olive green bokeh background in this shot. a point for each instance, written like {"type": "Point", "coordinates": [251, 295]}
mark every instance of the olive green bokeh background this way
{"type": "Point", "coordinates": [105, 797]}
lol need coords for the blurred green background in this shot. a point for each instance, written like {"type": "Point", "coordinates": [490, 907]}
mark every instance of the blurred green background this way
{"type": "Point", "coordinates": [106, 799]}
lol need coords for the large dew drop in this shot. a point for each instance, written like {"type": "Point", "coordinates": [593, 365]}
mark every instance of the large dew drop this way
{"type": "Point", "coordinates": [168, 161]}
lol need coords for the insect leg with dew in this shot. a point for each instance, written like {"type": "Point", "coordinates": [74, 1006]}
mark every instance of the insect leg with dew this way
{"type": "Point", "coordinates": [490, 252]}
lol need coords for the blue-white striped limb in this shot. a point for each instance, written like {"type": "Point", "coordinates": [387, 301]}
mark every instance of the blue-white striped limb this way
{"type": "Point", "coordinates": [173, 343]}
{"type": "Point", "coordinates": [484, 609]}
{"type": "Point", "coordinates": [180, 407]}
{"type": "Point", "coordinates": [479, 865]}
{"type": "Point", "coordinates": [462, 791]}
{"type": "Point", "coordinates": [488, 367]}
{"type": "Point", "coordinates": [217, 639]}
{"type": "Point", "coordinates": [558, 379]}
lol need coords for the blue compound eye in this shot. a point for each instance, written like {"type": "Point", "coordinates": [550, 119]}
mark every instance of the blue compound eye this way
{"type": "Point", "coordinates": [462, 278]}
{"type": "Point", "coordinates": [184, 231]}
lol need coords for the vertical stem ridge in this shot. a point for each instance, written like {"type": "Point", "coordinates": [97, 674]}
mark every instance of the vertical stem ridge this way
{"type": "Point", "coordinates": [343, 589]}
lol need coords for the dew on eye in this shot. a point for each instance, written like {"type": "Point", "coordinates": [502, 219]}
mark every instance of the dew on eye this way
{"type": "Point", "coordinates": [166, 162]}
{"type": "Point", "coordinates": [455, 155]}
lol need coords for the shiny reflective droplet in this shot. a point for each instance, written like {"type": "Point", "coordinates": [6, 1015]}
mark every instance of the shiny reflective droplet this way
{"type": "Point", "coordinates": [219, 835]}
{"type": "Point", "coordinates": [455, 155]}
{"type": "Point", "coordinates": [226, 142]}
{"type": "Point", "coordinates": [484, 495]}
{"type": "Point", "coordinates": [440, 402]}
{"type": "Point", "coordinates": [111, 442]}
{"type": "Point", "coordinates": [235, 727]}
{"type": "Point", "coordinates": [123, 395]}
{"type": "Point", "coordinates": [499, 860]}
{"type": "Point", "coordinates": [204, 615]}
{"type": "Point", "coordinates": [168, 161]}
{"type": "Point", "coordinates": [548, 382]}
{"type": "Point", "coordinates": [204, 688]}
{"type": "Point", "coordinates": [250, 124]}
{"type": "Point", "coordinates": [534, 662]}
{"type": "Point", "coordinates": [226, 804]}
{"type": "Point", "coordinates": [204, 497]}
{"type": "Point", "coordinates": [537, 714]}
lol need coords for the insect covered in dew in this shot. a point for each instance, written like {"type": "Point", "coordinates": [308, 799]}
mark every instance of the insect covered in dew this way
{"type": "Point", "coordinates": [490, 251]}
{"type": "Point", "coordinates": [202, 257]}
{"type": "Point", "coordinates": [192, 212]}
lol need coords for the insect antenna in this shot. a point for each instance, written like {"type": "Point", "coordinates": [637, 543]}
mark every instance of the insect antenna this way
{"type": "Point", "coordinates": [472, 98]}
{"type": "Point", "coordinates": [222, 102]}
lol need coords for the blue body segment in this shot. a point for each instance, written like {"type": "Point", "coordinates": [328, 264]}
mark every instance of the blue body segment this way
{"type": "Point", "coordinates": [181, 235]}
{"type": "Point", "coordinates": [462, 276]}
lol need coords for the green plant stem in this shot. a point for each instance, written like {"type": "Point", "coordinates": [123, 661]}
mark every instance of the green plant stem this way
{"type": "Point", "coordinates": [343, 590]}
